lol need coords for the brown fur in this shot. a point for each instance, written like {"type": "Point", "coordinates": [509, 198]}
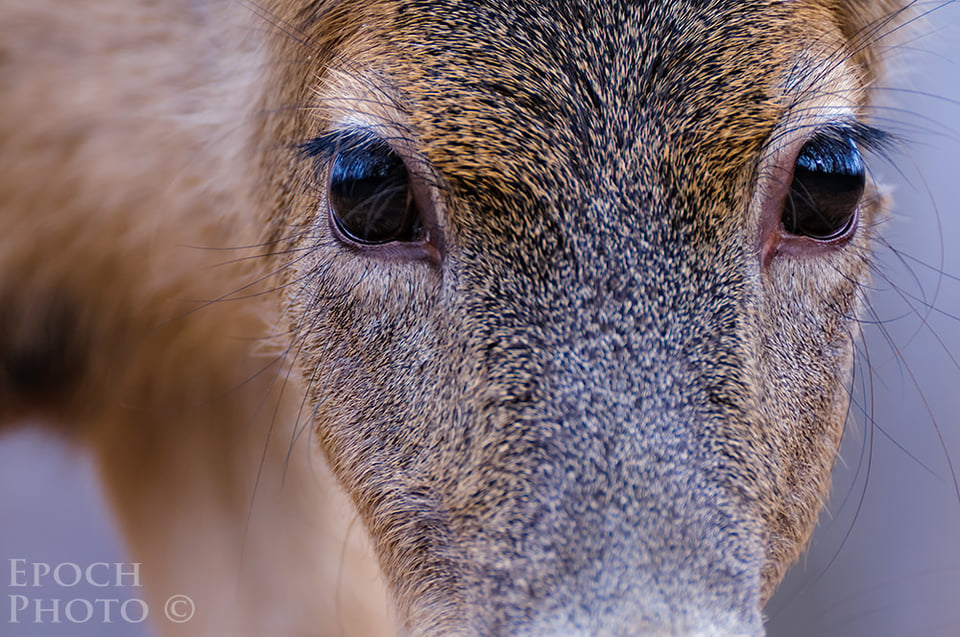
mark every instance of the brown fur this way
{"type": "Point", "coordinates": [601, 412]}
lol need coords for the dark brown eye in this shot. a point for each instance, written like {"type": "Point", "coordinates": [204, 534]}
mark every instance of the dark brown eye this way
{"type": "Point", "coordinates": [828, 181]}
{"type": "Point", "coordinates": [369, 194]}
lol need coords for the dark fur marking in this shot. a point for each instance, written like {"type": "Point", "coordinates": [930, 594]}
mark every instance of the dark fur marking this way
{"type": "Point", "coordinates": [40, 351]}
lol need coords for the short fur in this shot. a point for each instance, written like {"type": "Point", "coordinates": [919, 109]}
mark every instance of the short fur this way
{"type": "Point", "coordinates": [601, 412]}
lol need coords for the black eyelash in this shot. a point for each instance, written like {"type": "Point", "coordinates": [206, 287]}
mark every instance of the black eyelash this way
{"type": "Point", "coordinates": [325, 147]}
{"type": "Point", "coordinates": [836, 135]}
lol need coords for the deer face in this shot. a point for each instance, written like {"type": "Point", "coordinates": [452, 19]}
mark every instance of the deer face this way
{"type": "Point", "coordinates": [574, 289]}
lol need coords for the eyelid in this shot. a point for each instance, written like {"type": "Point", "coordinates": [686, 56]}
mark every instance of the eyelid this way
{"type": "Point", "coordinates": [325, 147]}
{"type": "Point", "coordinates": [843, 132]}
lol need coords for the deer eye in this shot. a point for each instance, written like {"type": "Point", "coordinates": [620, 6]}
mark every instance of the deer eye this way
{"type": "Point", "coordinates": [370, 197]}
{"type": "Point", "coordinates": [828, 181]}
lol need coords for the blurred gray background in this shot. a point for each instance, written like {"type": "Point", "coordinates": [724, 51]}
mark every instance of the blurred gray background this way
{"type": "Point", "coordinates": [885, 560]}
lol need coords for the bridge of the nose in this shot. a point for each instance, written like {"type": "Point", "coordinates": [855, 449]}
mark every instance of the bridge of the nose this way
{"type": "Point", "coordinates": [597, 493]}
{"type": "Point", "coordinates": [592, 161]}
{"type": "Point", "coordinates": [595, 497]}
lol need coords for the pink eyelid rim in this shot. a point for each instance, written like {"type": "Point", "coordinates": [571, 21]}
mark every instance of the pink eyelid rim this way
{"type": "Point", "coordinates": [776, 179]}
